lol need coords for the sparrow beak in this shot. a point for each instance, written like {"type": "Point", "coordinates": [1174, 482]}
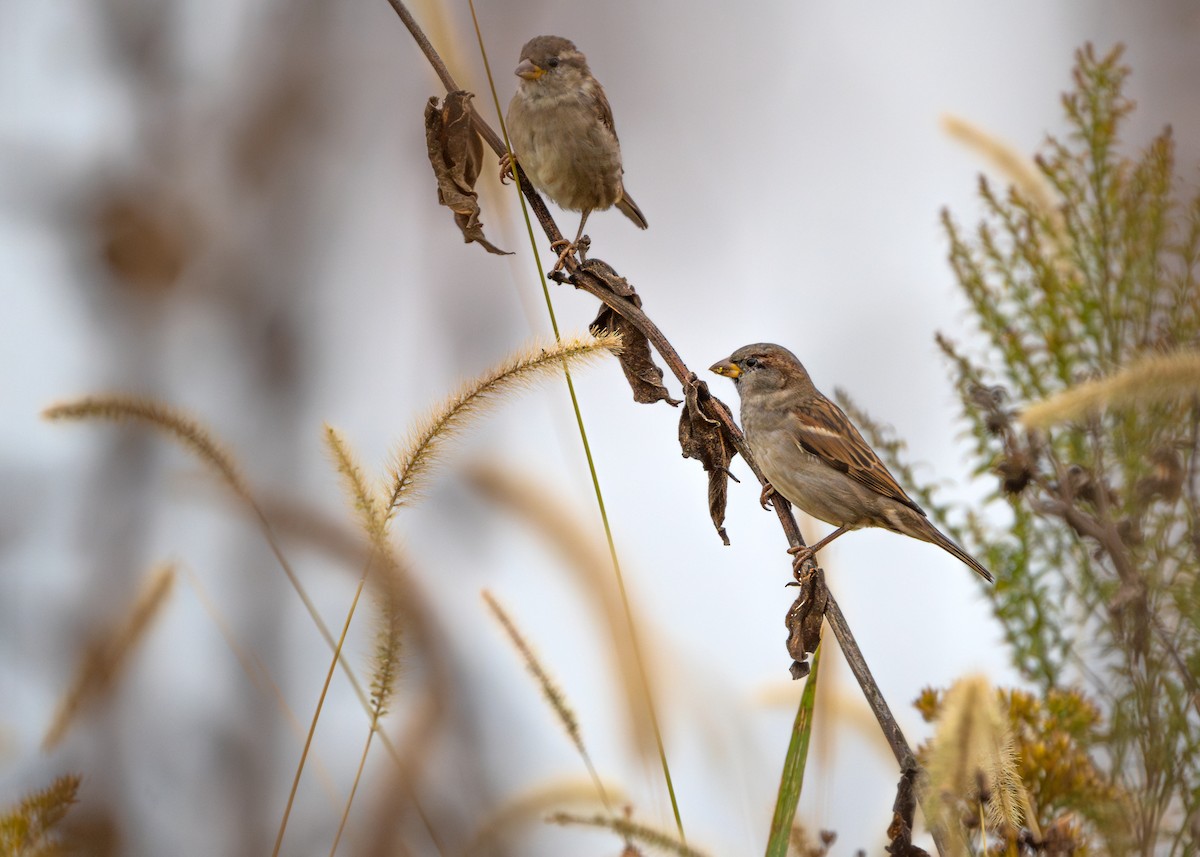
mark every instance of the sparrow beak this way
{"type": "Point", "coordinates": [726, 368]}
{"type": "Point", "coordinates": [528, 71]}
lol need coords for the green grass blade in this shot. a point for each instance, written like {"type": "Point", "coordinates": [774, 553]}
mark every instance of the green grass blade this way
{"type": "Point", "coordinates": [792, 780]}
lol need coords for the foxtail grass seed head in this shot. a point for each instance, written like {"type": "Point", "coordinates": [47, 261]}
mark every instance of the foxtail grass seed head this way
{"type": "Point", "coordinates": [628, 830]}
{"type": "Point", "coordinates": [972, 757]}
{"type": "Point", "coordinates": [1022, 171]}
{"type": "Point", "coordinates": [428, 440]}
{"type": "Point", "coordinates": [1152, 379]}
{"type": "Point", "coordinates": [105, 658]}
{"type": "Point", "coordinates": [185, 429]}
{"type": "Point", "coordinates": [550, 690]}
{"type": "Point", "coordinates": [29, 827]}
{"type": "Point", "coordinates": [366, 503]}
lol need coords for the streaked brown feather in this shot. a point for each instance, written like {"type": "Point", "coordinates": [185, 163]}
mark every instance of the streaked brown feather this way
{"type": "Point", "coordinates": [603, 109]}
{"type": "Point", "coordinates": [823, 429]}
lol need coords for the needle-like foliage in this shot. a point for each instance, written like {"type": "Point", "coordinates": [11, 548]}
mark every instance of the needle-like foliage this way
{"type": "Point", "coordinates": [1090, 310]}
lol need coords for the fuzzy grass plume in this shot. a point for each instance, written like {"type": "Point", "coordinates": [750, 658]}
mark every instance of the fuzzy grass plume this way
{"type": "Point", "coordinates": [102, 663]}
{"type": "Point", "coordinates": [388, 637]}
{"type": "Point", "coordinates": [413, 464]}
{"type": "Point", "coordinates": [555, 521]}
{"type": "Point", "coordinates": [972, 759]}
{"type": "Point", "coordinates": [630, 831]}
{"type": "Point", "coordinates": [1151, 379]}
{"type": "Point", "coordinates": [366, 503]}
{"type": "Point", "coordinates": [1021, 170]}
{"type": "Point", "coordinates": [27, 830]}
{"type": "Point", "coordinates": [187, 430]}
{"type": "Point", "coordinates": [553, 694]}
{"type": "Point", "coordinates": [531, 806]}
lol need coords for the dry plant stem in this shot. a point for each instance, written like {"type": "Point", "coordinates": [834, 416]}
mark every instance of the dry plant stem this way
{"type": "Point", "coordinates": [581, 278]}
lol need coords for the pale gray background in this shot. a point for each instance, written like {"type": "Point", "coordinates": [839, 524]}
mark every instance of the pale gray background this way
{"type": "Point", "coordinates": [790, 161]}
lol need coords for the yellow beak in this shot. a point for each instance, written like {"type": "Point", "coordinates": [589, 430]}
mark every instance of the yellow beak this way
{"type": "Point", "coordinates": [726, 368]}
{"type": "Point", "coordinates": [528, 70]}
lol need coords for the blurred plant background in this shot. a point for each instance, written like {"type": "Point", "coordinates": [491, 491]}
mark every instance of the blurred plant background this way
{"type": "Point", "coordinates": [226, 207]}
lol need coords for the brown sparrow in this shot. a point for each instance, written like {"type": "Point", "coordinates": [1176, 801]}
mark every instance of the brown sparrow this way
{"type": "Point", "coordinates": [813, 455]}
{"type": "Point", "coordinates": [561, 131]}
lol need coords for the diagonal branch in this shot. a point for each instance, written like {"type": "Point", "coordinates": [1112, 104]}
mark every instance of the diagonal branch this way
{"type": "Point", "coordinates": [591, 278]}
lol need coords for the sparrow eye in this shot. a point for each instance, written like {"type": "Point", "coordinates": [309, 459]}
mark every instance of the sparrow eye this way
{"type": "Point", "coordinates": [552, 62]}
{"type": "Point", "coordinates": [751, 363]}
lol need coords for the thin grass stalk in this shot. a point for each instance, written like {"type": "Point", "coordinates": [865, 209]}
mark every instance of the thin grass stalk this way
{"type": "Point", "coordinates": [312, 729]}
{"type": "Point", "coordinates": [385, 672]}
{"type": "Point", "coordinates": [375, 525]}
{"type": "Point", "coordinates": [792, 781]}
{"type": "Point", "coordinates": [587, 448]}
{"type": "Point", "coordinates": [362, 763]}
{"type": "Point", "coordinates": [257, 673]}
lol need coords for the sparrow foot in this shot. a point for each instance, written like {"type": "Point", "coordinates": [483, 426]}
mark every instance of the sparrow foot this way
{"type": "Point", "coordinates": [800, 556]}
{"type": "Point", "coordinates": [506, 167]}
{"type": "Point", "coordinates": [565, 249]}
{"type": "Point", "coordinates": [764, 499]}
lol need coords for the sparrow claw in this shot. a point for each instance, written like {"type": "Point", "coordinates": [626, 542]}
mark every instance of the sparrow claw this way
{"type": "Point", "coordinates": [506, 167]}
{"type": "Point", "coordinates": [801, 555]}
{"type": "Point", "coordinates": [568, 249]}
{"type": "Point", "coordinates": [764, 499]}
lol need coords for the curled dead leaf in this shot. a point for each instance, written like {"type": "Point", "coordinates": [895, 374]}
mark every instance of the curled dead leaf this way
{"type": "Point", "coordinates": [804, 619]}
{"type": "Point", "coordinates": [708, 441]}
{"type": "Point", "coordinates": [456, 154]}
{"type": "Point", "coordinates": [637, 362]}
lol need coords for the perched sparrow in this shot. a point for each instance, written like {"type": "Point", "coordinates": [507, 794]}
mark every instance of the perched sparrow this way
{"type": "Point", "coordinates": [562, 134]}
{"type": "Point", "coordinates": [812, 454]}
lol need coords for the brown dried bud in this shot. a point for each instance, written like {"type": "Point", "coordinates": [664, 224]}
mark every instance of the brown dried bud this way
{"type": "Point", "coordinates": [1015, 472]}
{"type": "Point", "coordinates": [1166, 480]}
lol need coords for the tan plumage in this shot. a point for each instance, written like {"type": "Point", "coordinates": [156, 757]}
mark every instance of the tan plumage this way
{"type": "Point", "coordinates": [813, 455]}
{"type": "Point", "coordinates": [561, 129]}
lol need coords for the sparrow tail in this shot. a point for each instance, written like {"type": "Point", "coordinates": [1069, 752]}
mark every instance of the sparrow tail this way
{"type": "Point", "coordinates": [945, 544]}
{"type": "Point", "coordinates": [629, 209]}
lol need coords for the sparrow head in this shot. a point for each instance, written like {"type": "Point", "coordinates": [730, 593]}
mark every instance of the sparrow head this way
{"type": "Point", "coordinates": [763, 367]}
{"type": "Point", "coordinates": [551, 62]}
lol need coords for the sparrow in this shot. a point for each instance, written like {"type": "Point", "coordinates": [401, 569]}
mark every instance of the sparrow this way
{"type": "Point", "coordinates": [812, 454]}
{"type": "Point", "coordinates": [560, 127]}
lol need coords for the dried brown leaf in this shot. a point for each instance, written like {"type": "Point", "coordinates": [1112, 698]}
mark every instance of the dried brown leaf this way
{"type": "Point", "coordinates": [644, 377]}
{"type": "Point", "coordinates": [708, 441]}
{"type": "Point", "coordinates": [456, 154]}
{"type": "Point", "coordinates": [804, 619]}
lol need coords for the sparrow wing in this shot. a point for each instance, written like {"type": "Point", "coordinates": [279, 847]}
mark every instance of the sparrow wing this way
{"type": "Point", "coordinates": [821, 428]}
{"type": "Point", "coordinates": [603, 109]}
